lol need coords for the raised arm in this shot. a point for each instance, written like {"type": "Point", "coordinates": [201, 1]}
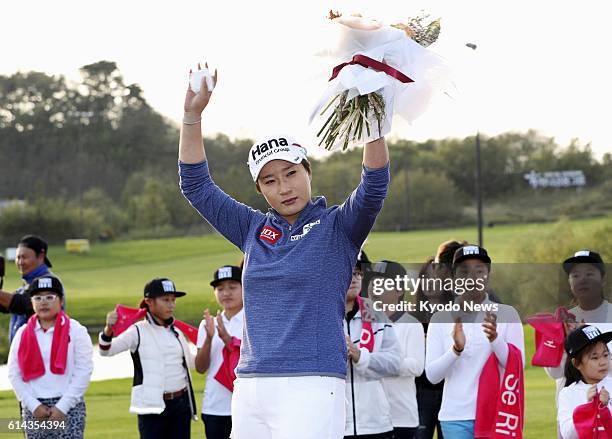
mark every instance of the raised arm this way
{"type": "Point", "coordinates": [191, 144]}
{"type": "Point", "coordinates": [110, 346]}
{"type": "Point", "coordinates": [376, 154]}
{"type": "Point", "coordinates": [229, 217]}
{"type": "Point", "coordinates": [358, 213]}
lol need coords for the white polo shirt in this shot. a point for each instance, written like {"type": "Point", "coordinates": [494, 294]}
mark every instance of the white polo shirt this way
{"type": "Point", "coordinates": [70, 386]}
{"type": "Point", "coordinates": [217, 398]}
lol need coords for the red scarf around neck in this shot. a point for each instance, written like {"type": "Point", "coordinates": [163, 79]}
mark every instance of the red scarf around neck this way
{"type": "Point", "coordinates": [367, 335]}
{"type": "Point", "coordinates": [500, 406]}
{"type": "Point", "coordinates": [29, 357]}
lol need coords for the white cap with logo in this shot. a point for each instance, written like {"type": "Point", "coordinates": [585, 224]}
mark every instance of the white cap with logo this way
{"type": "Point", "coordinates": [274, 148]}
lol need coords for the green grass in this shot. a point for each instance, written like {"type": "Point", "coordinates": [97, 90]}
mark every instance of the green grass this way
{"type": "Point", "coordinates": [108, 402]}
{"type": "Point", "coordinates": [116, 273]}
{"type": "Point", "coordinates": [107, 410]}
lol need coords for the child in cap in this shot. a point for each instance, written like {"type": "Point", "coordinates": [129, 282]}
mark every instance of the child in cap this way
{"type": "Point", "coordinates": [586, 277]}
{"type": "Point", "coordinates": [584, 401]}
{"type": "Point", "coordinates": [374, 354]}
{"type": "Point", "coordinates": [299, 256]}
{"type": "Point", "coordinates": [50, 364]}
{"type": "Point", "coordinates": [162, 395]}
{"type": "Point", "coordinates": [218, 345]}
{"type": "Point", "coordinates": [465, 347]}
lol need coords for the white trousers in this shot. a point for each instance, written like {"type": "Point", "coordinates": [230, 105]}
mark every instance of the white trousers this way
{"type": "Point", "coordinates": [308, 407]}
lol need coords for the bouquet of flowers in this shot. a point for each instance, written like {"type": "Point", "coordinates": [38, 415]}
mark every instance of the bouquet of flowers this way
{"type": "Point", "coordinates": [386, 70]}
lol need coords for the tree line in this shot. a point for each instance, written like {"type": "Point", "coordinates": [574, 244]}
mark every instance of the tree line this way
{"type": "Point", "coordinates": [92, 158]}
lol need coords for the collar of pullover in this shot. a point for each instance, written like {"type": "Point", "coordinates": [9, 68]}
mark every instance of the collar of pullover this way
{"type": "Point", "coordinates": [315, 205]}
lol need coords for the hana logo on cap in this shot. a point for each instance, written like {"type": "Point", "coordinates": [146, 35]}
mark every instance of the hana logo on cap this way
{"type": "Point", "coordinates": [225, 272]}
{"type": "Point", "coordinates": [582, 253]}
{"type": "Point", "coordinates": [274, 148]}
{"type": "Point", "coordinates": [471, 250]}
{"type": "Point", "coordinates": [45, 282]}
{"type": "Point", "coordinates": [168, 286]}
{"type": "Point", "coordinates": [591, 332]}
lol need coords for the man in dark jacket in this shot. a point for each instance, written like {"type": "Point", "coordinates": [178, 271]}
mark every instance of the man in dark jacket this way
{"type": "Point", "coordinates": [32, 262]}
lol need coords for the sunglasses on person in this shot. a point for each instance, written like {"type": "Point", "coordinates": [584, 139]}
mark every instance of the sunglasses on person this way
{"type": "Point", "coordinates": [45, 298]}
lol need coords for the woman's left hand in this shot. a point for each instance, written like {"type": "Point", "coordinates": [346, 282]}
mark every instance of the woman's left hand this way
{"type": "Point", "coordinates": [489, 326]}
{"type": "Point", "coordinates": [56, 415]}
{"type": "Point", "coordinates": [223, 334]}
{"type": "Point", "coordinates": [354, 352]}
{"type": "Point", "coordinates": [604, 396]}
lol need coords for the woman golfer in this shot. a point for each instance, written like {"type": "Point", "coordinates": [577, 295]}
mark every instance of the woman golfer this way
{"type": "Point", "coordinates": [299, 258]}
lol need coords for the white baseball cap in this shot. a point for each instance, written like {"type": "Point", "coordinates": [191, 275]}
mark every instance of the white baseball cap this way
{"type": "Point", "coordinates": [274, 148]}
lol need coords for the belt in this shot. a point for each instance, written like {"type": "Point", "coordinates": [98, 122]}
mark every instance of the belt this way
{"type": "Point", "coordinates": [174, 395]}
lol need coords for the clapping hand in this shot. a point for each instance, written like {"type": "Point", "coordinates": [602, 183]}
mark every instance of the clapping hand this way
{"type": "Point", "coordinates": [489, 326]}
{"type": "Point", "coordinates": [458, 336]}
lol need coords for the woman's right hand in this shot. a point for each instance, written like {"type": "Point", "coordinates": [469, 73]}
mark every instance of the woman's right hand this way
{"type": "Point", "coordinates": [458, 336]}
{"type": "Point", "coordinates": [111, 319]}
{"type": "Point", "coordinates": [41, 412]}
{"type": "Point", "coordinates": [604, 396]}
{"type": "Point", "coordinates": [196, 102]}
{"type": "Point", "coordinates": [209, 324]}
{"type": "Point", "coordinates": [591, 392]}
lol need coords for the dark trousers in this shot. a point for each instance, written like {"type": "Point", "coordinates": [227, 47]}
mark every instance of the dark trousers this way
{"type": "Point", "coordinates": [217, 427]}
{"type": "Point", "coordinates": [429, 402]}
{"type": "Point", "coordinates": [174, 422]}
{"type": "Point", "coordinates": [404, 432]}
{"type": "Point", "coordinates": [387, 435]}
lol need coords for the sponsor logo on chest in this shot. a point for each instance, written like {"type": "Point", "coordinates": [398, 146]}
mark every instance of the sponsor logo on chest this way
{"type": "Point", "coordinates": [270, 234]}
{"type": "Point", "coordinates": [305, 230]}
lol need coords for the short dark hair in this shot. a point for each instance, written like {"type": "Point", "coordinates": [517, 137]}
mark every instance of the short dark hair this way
{"type": "Point", "coordinates": [305, 163]}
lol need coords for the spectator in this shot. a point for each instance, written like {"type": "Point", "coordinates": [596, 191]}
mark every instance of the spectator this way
{"type": "Point", "coordinates": [162, 395]}
{"type": "Point", "coordinates": [587, 380]}
{"type": "Point", "coordinates": [586, 276]}
{"type": "Point", "coordinates": [374, 354]}
{"type": "Point", "coordinates": [218, 344]}
{"type": "Point", "coordinates": [461, 344]}
{"type": "Point", "coordinates": [32, 261]}
{"type": "Point", "coordinates": [50, 364]}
